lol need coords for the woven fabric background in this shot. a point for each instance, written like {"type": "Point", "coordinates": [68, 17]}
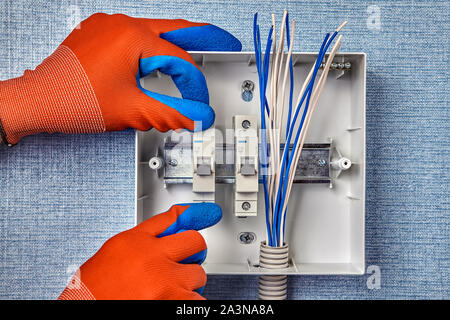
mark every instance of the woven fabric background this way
{"type": "Point", "coordinates": [63, 196]}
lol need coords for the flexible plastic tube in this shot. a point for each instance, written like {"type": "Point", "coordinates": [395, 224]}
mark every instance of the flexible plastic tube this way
{"type": "Point", "coordinates": [273, 287]}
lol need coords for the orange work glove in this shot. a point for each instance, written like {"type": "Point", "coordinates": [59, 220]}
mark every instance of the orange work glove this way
{"type": "Point", "coordinates": [91, 82]}
{"type": "Point", "coordinates": [157, 259]}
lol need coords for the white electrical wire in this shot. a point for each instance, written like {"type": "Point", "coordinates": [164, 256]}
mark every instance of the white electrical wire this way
{"type": "Point", "coordinates": [276, 256]}
{"type": "Point", "coordinates": [283, 92]}
{"type": "Point", "coordinates": [269, 132]}
{"type": "Point", "coordinates": [271, 170]}
{"type": "Point", "coordinates": [280, 64]}
{"type": "Point", "coordinates": [279, 126]}
{"type": "Point", "coordinates": [273, 128]}
{"type": "Point", "coordinates": [314, 99]}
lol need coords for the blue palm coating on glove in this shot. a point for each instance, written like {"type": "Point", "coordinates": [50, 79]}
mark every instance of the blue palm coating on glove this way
{"type": "Point", "coordinates": [197, 217]}
{"type": "Point", "coordinates": [187, 77]}
{"type": "Point", "coordinates": [203, 38]}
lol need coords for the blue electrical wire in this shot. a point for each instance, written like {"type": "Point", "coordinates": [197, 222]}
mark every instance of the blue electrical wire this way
{"type": "Point", "coordinates": [263, 141]}
{"type": "Point", "coordinates": [283, 182]}
{"type": "Point", "coordinates": [291, 84]}
{"type": "Point", "coordinates": [282, 215]}
{"type": "Point", "coordinates": [273, 229]}
{"type": "Point", "coordinates": [279, 214]}
{"type": "Point", "coordinates": [328, 44]}
{"type": "Point", "coordinates": [262, 73]}
{"type": "Point", "coordinates": [291, 76]}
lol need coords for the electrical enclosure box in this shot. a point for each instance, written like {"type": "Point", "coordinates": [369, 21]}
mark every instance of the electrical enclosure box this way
{"type": "Point", "coordinates": [325, 222]}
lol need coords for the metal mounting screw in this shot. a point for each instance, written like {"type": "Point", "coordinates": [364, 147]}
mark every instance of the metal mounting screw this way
{"type": "Point", "coordinates": [247, 90]}
{"type": "Point", "coordinates": [321, 162]}
{"type": "Point", "coordinates": [173, 162]}
{"type": "Point", "coordinates": [248, 85]}
{"type": "Point", "coordinates": [247, 237]}
{"type": "Point", "coordinates": [246, 206]}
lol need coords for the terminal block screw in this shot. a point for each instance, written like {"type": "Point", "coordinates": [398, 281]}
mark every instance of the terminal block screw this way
{"type": "Point", "coordinates": [246, 206]}
{"type": "Point", "coordinates": [246, 124]}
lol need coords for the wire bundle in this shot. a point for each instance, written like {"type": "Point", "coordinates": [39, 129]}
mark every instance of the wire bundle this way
{"type": "Point", "coordinates": [278, 168]}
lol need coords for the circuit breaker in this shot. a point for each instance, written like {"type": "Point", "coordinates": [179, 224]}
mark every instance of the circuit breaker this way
{"type": "Point", "coordinates": [246, 165]}
{"type": "Point", "coordinates": [204, 165]}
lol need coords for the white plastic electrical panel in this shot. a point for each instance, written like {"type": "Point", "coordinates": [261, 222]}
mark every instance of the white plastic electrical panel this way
{"type": "Point", "coordinates": [325, 224]}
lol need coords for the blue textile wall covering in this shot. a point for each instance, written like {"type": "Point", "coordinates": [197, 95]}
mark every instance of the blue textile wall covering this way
{"type": "Point", "coordinates": [63, 196]}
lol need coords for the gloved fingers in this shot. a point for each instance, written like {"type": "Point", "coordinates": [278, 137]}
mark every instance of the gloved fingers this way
{"type": "Point", "coordinates": [191, 276]}
{"type": "Point", "coordinates": [189, 216]}
{"type": "Point", "coordinates": [193, 35]}
{"type": "Point", "coordinates": [197, 258]}
{"type": "Point", "coordinates": [203, 38]}
{"type": "Point", "coordinates": [177, 63]}
{"type": "Point", "coordinates": [184, 245]}
{"type": "Point", "coordinates": [197, 216]}
{"type": "Point", "coordinates": [165, 112]}
{"type": "Point", "coordinates": [157, 224]}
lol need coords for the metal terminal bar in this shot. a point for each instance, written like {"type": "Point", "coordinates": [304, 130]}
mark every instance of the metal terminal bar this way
{"type": "Point", "coordinates": [313, 166]}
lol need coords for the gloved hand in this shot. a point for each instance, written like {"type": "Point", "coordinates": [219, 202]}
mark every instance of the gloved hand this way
{"type": "Point", "coordinates": [157, 259]}
{"type": "Point", "coordinates": [91, 82]}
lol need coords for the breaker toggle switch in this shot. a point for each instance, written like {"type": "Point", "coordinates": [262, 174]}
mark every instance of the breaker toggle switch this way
{"type": "Point", "coordinates": [248, 166]}
{"type": "Point", "coordinates": [204, 166]}
{"type": "Point", "coordinates": [204, 177]}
